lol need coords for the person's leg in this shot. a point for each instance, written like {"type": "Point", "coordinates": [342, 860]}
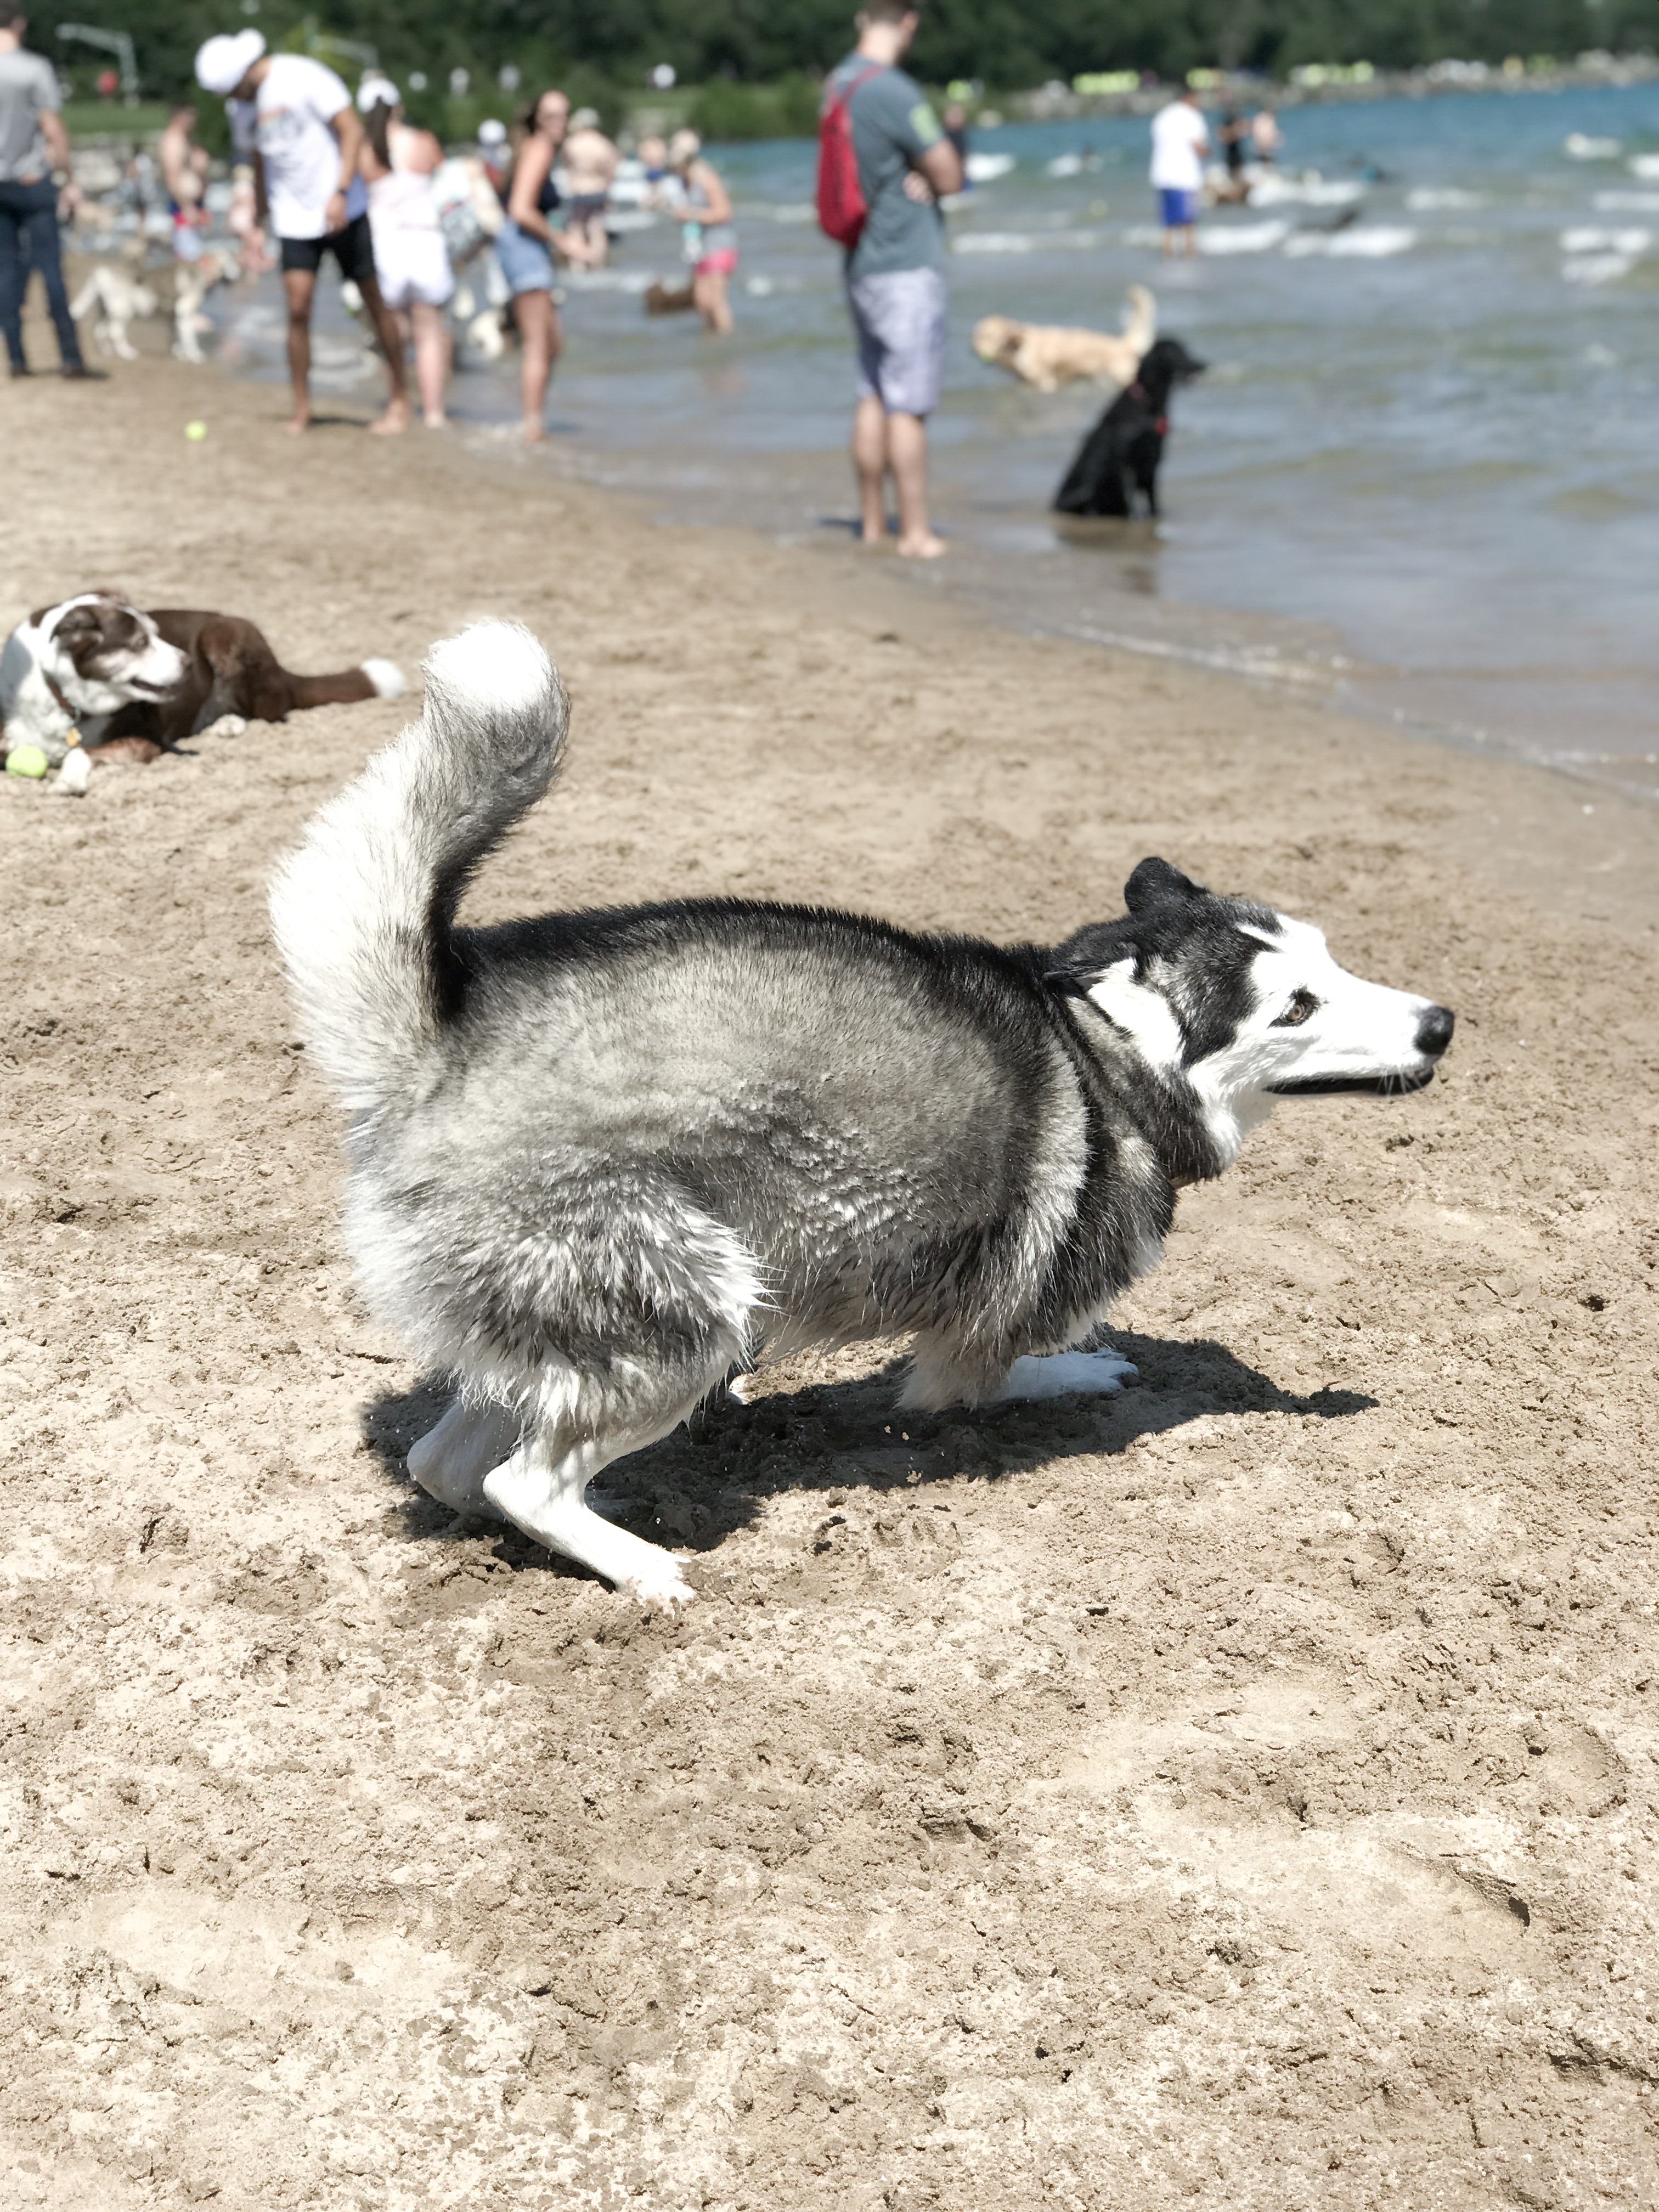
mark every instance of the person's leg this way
{"type": "Point", "coordinates": [913, 377]}
{"type": "Point", "coordinates": [538, 330]}
{"type": "Point", "coordinates": [907, 454]}
{"type": "Point", "coordinates": [390, 337]}
{"type": "Point", "coordinates": [13, 276]}
{"type": "Point", "coordinates": [41, 229]}
{"type": "Point", "coordinates": [870, 462]}
{"type": "Point", "coordinates": [431, 360]}
{"type": "Point", "coordinates": [708, 292]}
{"type": "Point", "coordinates": [299, 285]}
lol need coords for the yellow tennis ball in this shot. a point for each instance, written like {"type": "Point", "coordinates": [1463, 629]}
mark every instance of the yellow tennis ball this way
{"type": "Point", "coordinates": [26, 760]}
{"type": "Point", "coordinates": [196, 432]}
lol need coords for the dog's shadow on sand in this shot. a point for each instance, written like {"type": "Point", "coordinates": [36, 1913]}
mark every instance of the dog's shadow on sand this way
{"type": "Point", "coordinates": [712, 1476]}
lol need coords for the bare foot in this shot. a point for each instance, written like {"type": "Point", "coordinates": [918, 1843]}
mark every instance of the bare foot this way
{"type": "Point", "coordinates": [395, 420]}
{"type": "Point", "coordinates": [926, 547]}
{"type": "Point", "coordinates": [532, 434]}
{"type": "Point", "coordinates": [298, 422]}
{"type": "Point", "coordinates": [436, 422]}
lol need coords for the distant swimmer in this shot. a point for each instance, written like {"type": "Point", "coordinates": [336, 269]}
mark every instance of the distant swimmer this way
{"type": "Point", "coordinates": [588, 162]}
{"type": "Point", "coordinates": [185, 174]}
{"type": "Point", "coordinates": [1266, 136]}
{"type": "Point", "coordinates": [1180, 142]}
{"type": "Point", "coordinates": [955, 120]}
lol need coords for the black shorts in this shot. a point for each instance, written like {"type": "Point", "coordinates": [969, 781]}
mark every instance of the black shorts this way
{"type": "Point", "coordinates": [353, 248]}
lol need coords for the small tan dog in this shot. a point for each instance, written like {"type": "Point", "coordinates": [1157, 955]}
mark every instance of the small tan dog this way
{"type": "Point", "coordinates": [1049, 355]}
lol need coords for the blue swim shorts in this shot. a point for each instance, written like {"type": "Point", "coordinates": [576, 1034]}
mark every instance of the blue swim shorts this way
{"type": "Point", "coordinates": [1179, 208]}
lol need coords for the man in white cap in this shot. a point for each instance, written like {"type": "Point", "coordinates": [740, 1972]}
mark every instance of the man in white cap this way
{"type": "Point", "coordinates": [296, 118]}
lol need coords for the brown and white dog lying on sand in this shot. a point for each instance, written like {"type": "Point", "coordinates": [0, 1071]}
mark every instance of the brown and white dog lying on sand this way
{"type": "Point", "coordinates": [134, 685]}
{"type": "Point", "coordinates": [1049, 355]}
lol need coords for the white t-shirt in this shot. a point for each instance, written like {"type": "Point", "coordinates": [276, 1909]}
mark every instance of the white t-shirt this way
{"type": "Point", "coordinates": [1178, 131]}
{"type": "Point", "coordinates": [288, 121]}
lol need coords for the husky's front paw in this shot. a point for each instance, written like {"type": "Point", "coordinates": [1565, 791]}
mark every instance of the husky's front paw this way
{"type": "Point", "coordinates": [1067, 1374]}
{"type": "Point", "coordinates": [660, 1589]}
{"type": "Point", "coordinates": [227, 726]}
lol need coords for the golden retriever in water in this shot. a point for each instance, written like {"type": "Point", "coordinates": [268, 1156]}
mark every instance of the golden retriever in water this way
{"type": "Point", "coordinates": [1048, 354]}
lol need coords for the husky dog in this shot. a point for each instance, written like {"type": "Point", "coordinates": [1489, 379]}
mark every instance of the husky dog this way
{"type": "Point", "coordinates": [599, 1161]}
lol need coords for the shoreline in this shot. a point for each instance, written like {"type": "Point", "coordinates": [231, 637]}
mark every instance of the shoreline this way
{"type": "Point", "coordinates": [1547, 825]}
{"type": "Point", "coordinates": [1236, 1792]}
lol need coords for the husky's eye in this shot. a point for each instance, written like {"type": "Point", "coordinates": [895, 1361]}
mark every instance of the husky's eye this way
{"type": "Point", "coordinates": [1297, 1012]}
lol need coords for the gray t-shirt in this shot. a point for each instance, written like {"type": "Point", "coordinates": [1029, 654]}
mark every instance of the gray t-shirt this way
{"type": "Point", "coordinates": [29, 84]}
{"type": "Point", "coordinates": [892, 124]}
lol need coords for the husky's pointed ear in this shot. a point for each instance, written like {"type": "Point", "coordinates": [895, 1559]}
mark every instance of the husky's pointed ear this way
{"type": "Point", "coordinates": [1155, 882]}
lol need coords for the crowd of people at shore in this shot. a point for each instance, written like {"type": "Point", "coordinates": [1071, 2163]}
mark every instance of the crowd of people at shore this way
{"type": "Point", "coordinates": [322, 175]}
{"type": "Point", "coordinates": [358, 183]}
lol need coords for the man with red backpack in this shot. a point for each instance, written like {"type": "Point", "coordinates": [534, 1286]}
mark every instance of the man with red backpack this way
{"type": "Point", "coordinates": [883, 165]}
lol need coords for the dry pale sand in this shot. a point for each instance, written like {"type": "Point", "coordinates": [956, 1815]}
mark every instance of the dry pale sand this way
{"type": "Point", "coordinates": [1243, 1793]}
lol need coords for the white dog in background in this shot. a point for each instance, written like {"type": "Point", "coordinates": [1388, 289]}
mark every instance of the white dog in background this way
{"type": "Point", "coordinates": [119, 298]}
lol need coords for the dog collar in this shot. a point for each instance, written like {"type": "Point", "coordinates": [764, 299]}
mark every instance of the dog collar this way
{"type": "Point", "coordinates": [72, 735]}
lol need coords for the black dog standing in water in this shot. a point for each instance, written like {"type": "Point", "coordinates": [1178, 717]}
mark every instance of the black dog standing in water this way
{"type": "Point", "coordinates": [1120, 455]}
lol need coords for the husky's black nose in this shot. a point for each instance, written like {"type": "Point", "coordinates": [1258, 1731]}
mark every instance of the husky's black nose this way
{"type": "Point", "coordinates": [1434, 1032]}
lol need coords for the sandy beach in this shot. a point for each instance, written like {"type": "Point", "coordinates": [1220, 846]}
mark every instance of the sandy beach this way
{"type": "Point", "coordinates": [1243, 1793]}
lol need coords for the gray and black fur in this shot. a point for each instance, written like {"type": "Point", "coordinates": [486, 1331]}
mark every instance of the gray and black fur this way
{"type": "Point", "coordinates": [600, 1161]}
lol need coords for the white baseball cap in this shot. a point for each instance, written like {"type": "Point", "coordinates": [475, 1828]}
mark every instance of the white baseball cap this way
{"type": "Point", "coordinates": [373, 90]}
{"type": "Point", "coordinates": [223, 62]}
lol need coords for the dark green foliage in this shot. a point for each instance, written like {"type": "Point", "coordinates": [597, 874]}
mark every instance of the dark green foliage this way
{"type": "Point", "coordinates": [752, 59]}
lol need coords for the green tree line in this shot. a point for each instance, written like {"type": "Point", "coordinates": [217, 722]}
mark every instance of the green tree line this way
{"type": "Point", "coordinates": [604, 52]}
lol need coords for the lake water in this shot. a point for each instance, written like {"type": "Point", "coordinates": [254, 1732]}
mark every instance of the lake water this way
{"type": "Point", "coordinates": [1422, 476]}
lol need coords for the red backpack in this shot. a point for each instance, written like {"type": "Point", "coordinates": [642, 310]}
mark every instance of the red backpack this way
{"type": "Point", "coordinates": [842, 209]}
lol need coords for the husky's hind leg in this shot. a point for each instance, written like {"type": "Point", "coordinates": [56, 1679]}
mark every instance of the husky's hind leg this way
{"type": "Point", "coordinates": [450, 1462]}
{"type": "Point", "coordinates": [542, 1489]}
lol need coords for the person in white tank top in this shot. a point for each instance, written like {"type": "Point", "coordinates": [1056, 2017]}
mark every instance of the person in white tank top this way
{"type": "Point", "coordinates": [409, 254]}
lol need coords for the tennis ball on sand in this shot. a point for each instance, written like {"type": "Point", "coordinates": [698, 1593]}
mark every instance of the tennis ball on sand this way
{"type": "Point", "coordinates": [26, 760]}
{"type": "Point", "coordinates": [196, 432]}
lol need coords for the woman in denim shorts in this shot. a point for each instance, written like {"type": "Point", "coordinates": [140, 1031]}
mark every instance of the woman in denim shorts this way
{"type": "Point", "coordinates": [528, 247]}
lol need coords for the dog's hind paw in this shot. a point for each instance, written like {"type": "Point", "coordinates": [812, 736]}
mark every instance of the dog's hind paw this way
{"type": "Point", "coordinates": [227, 726]}
{"type": "Point", "coordinates": [1066, 1374]}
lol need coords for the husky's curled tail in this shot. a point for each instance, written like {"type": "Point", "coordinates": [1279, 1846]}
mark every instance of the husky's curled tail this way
{"type": "Point", "coordinates": [364, 911]}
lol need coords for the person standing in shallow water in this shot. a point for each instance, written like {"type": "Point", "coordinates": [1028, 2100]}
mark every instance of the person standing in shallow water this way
{"type": "Point", "coordinates": [527, 245]}
{"type": "Point", "coordinates": [895, 287]}
{"type": "Point", "coordinates": [296, 119]}
{"type": "Point", "coordinates": [704, 207]}
{"type": "Point", "coordinates": [1180, 142]}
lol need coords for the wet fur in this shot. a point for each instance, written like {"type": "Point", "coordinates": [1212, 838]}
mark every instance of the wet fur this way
{"type": "Point", "coordinates": [1049, 355]}
{"type": "Point", "coordinates": [1121, 457]}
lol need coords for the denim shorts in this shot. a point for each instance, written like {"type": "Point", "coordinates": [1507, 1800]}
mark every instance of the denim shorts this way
{"type": "Point", "coordinates": [525, 260]}
{"type": "Point", "coordinates": [899, 319]}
